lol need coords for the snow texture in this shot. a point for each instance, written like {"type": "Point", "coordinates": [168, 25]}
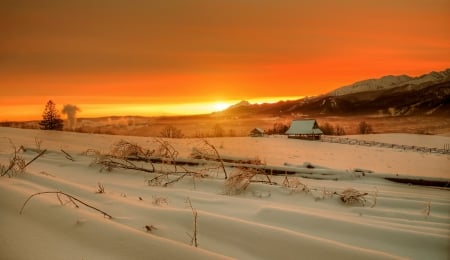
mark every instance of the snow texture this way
{"type": "Point", "coordinates": [297, 218]}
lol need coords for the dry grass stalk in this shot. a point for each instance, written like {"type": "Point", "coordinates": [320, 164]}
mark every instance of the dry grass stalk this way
{"type": "Point", "coordinates": [167, 152]}
{"type": "Point", "coordinates": [375, 196]}
{"type": "Point", "coordinates": [67, 200]}
{"type": "Point", "coordinates": [109, 163]}
{"type": "Point", "coordinates": [158, 180]}
{"type": "Point", "coordinates": [47, 174]}
{"type": "Point", "coordinates": [37, 156]}
{"type": "Point", "coordinates": [91, 152]}
{"type": "Point", "coordinates": [123, 153]}
{"type": "Point", "coordinates": [164, 180]}
{"type": "Point", "coordinates": [17, 162]}
{"type": "Point", "coordinates": [194, 240]}
{"type": "Point", "coordinates": [67, 155]}
{"type": "Point", "coordinates": [427, 210]}
{"type": "Point", "coordinates": [165, 149]}
{"type": "Point", "coordinates": [160, 201]}
{"type": "Point", "coordinates": [150, 228]}
{"type": "Point", "coordinates": [295, 185]}
{"type": "Point", "coordinates": [217, 154]}
{"type": "Point", "coordinates": [239, 180]}
{"type": "Point", "coordinates": [69, 197]}
{"type": "Point", "coordinates": [38, 143]}
{"type": "Point", "coordinates": [100, 189]}
{"type": "Point", "coordinates": [323, 194]}
{"type": "Point", "coordinates": [351, 196]}
{"type": "Point", "coordinates": [125, 149]}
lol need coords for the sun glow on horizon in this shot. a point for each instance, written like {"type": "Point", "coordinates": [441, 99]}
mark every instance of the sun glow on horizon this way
{"type": "Point", "coordinates": [220, 106]}
{"type": "Point", "coordinates": [33, 111]}
{"type": "Point", "coordinates": [193, 63]}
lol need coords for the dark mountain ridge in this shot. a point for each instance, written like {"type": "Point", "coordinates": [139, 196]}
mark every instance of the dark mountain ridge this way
{"type": "Point", "coordinates": [428, 94]}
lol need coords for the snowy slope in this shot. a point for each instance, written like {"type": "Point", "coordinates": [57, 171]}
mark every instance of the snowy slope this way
{"type": "Point", "coordinates": [305, 220]}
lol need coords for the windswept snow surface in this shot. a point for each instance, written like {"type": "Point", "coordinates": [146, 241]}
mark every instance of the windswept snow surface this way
{"type": "Point", "coordinates": [265, 222]}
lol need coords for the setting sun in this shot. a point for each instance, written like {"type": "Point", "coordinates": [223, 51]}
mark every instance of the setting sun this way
{"type": "Point", "coordinates": [220, 106]}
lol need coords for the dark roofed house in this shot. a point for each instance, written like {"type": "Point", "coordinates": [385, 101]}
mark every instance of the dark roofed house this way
{"type": "Point", "coordinates": [257, 132]}
{"type": "Point", "coordinates": [304, 129]}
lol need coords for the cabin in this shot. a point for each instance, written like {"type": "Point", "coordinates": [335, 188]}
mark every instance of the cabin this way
{"type": "Point", "coordinates": [257, 132]}
{"type": "Point", "coordinates": [304, 129]}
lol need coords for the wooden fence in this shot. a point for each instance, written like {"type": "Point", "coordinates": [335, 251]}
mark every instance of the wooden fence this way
{"type": "Point", "coordinates": [350, 141]}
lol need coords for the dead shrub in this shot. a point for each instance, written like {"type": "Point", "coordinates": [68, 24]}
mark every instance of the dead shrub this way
{"type": "Point", "coordinates": [100, 188]}
{"type": "Point", "coordinates": [353, 197]}
{"type": "Point", "coordinates": [17, 163]}
{"type": "Point", "coordinates": [209, 152]}
{"type": "Point", "coordinates": [125, 149]}
{"type": "Point", "coordinates": [294, 185]}
{"type": "Point", "coordinates": [239, 180]}
{"type": "Point", "coordinates": [160, 201]}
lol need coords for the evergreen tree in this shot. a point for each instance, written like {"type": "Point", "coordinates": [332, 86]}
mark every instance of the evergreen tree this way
{"type": "Point", "coordinates": [50, 118]}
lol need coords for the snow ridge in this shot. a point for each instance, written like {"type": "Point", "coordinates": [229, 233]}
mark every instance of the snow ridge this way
{"type": "Point", "coordinates": [391, 81]}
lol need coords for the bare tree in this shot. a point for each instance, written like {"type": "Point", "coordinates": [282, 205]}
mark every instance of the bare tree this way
{"type": "Point", "coordinates": [278, 128]}
{"type": "Point", "coordinates": [171, 132]}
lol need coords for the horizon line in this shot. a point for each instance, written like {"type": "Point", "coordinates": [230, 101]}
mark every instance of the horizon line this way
{"type": "Point", "coordinates": [33, 112]}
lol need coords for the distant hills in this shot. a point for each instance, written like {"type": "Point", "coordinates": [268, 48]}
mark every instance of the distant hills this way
{"type": "Point", "coordinates": [402, 95]}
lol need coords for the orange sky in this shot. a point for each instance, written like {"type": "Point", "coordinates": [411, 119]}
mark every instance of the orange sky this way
{"type": "Point", "coordinates": [164, 53]}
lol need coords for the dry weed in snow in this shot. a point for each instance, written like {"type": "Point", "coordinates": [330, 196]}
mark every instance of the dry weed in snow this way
{"type": "Point", "coordinates": [195, 215]}
{"type": "Point", "coordinates": [17, 163]}
{"type": "Point", "coordinates": [125, 149]}
{"type": "Point", "coordinates": [427, 210]}
{"type": "Point", "coordinates": [38, 143]}
{"type": "Point", "coordinates": [149, 228]}
{"type": "Point", "coordinates": [70, 199]}
{"type": "Point", "coordinates": [294, 185]}
{"type": "Point", "coordinates": [239, 180]}
{"type": "Point", "coordinates": [351, 196]}
{"type": "Point", "coordinates": [209, 152]}
{"type": "Point", "coordinates": [160, 201]}
{"type": "Point", "coordinates": [100, 189]}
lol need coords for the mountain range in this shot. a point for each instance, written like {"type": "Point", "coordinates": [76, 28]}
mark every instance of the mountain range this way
{"type": "Point", "coordinates": [401, 95]}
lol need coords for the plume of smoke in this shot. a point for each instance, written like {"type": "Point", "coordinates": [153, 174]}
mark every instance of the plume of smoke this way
{"type": "Point", "coordinates": [71, 112]}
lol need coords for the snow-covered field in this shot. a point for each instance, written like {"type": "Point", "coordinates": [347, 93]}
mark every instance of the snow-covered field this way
{"type": "Point", "coordinates": [302, 219]}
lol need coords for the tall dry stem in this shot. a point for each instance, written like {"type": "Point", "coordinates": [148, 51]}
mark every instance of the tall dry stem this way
{"type": "Point", "coordinates": [194, 240]}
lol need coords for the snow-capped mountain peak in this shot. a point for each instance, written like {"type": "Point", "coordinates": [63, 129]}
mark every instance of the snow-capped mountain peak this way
{"type": "Point", "coordinates": [243, 103]}
{"type": "Point", "coordinates": [390, 81]}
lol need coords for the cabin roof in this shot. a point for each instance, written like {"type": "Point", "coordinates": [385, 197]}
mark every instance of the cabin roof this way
{"type": "Point", "coordinates": [304, 127]}
{"type": "Point", "coordinates": [257, 130]}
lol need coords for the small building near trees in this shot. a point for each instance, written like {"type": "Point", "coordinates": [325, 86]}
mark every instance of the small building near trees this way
{"type": "Point", "coordinates": [304, 129]}
{"type": "Point", "coordinates": [257, 132]}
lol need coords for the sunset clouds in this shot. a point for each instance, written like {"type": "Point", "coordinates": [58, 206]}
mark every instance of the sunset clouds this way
{"type": "Point", "coordinates": [212, 49]}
